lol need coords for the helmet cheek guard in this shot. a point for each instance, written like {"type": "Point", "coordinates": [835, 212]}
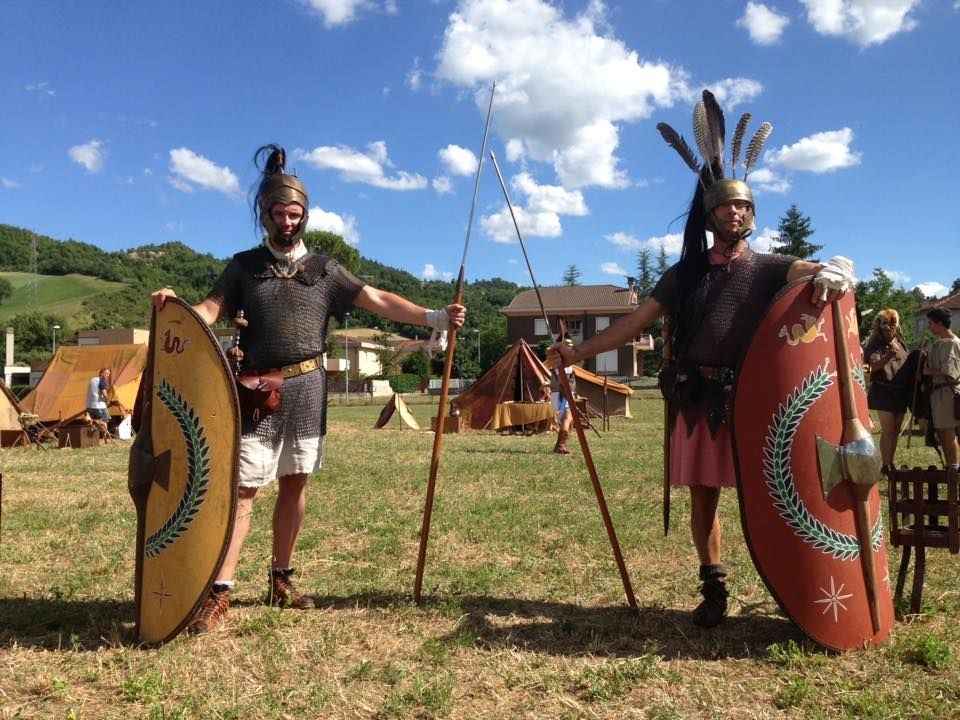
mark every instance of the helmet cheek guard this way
{"type": "Point", "coordinates": [727, 190]}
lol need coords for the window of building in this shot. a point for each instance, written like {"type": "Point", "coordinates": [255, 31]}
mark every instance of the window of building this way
{"type": "Point", "coordinates": [602, 322]}
{"type": "Point", "coordinates": [540, 328]}
{"type": "Point", "coordinates": [607, 363]}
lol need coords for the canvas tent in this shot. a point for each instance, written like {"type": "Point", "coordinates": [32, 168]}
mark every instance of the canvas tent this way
{"type": "Point", "coordinates": [62, 391]}
{"type": "Point", "coordinates": [398, 405]}
{"type": "Point", "coordinates": [516, 377]}
{"type": "Point", "coordinates": [591, 387]}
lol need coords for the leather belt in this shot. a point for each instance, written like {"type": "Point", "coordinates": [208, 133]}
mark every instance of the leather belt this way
{"type": "Point", "coordinates": [718, 374]}
{"type": "Point", "coordinates": [303, 367]}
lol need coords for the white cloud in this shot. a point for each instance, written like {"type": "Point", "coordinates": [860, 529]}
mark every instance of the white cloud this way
{"type": "Point", "coordinates": [8, 183]}
{"type": "Point", "coordinates": [91, 155]}
{"type": "Point", "coordinates": [41, 88]}
{"type": "Point", "coordinates": [764, 25]}
{"type": "Point", "coordinates": [344, 226]}
{"type": "Point", "coordinates": [368, 168]}
{"type": "Point", "coordinates": [458, 160]}
{"type": "Point", "coordinates": [430, 272]}
{"type": "Point", "coordinates": [765, 180]}
{"type": "Point", "coordinates": [612, 268]}
{"type": "Point", "coordinates": [898, 277]}
{"type": "Point", "coordinates": [562, 108]}
{"type": "Point", "coordinates": [863, 22]}
{"type": "Point", "coordinates": [338, 12]}
{"type": "Point", "coordinates": [933, 289]}
{"type": "Point", "coordinates": [624, 241]}
{"type": "Point", "coordinates": [819, 153]}
{"type": "Point", "coordinates": [537, 208]}
{"type": "Point", "coordinates": [763, 240]}
{"type": "Point", "coordinates": [191, 169]}
{"type": "Point", "coordinates": [415, 75]}
{"type": "Point", "coordinates": [442, 185]}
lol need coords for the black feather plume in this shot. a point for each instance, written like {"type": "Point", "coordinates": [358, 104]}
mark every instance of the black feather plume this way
{"type": "Point", "coordinates": [716, 131]}
{"type": "Point", "coordinates": [676, 141]}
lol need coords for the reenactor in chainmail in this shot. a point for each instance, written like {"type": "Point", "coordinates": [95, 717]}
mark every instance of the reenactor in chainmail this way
{"type": "Point", "coordinates": [287, 293]}
{"type": "Point", "coordinates": [714, 297]}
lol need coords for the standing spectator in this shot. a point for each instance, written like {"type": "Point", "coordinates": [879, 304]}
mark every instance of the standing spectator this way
{"type": "Point", "coordinates": [97, 395]}
{"type": "Point", "coordinates": [891, 382]}
{"type": "Point", "coordinates": [943, 367]}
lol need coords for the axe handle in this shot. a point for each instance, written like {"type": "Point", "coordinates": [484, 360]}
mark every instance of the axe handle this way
{"type": "Point", "coordinates": [853, 429]}
{"type": "Point", "coordinates": [667, 357]}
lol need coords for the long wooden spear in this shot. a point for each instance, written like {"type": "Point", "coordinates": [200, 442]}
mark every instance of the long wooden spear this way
{"type": "Point", "coordinates": [568, 393]}
{"type": "Point", "coordinates": [447, 371]}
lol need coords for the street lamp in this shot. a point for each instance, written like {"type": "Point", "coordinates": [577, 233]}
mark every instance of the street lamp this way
{"type": "Point", "coordinates": [55, 328]}
{"type": "Point", "coordinates": [477, 331]}
{"type": "Point", "coordinates": [346, 354]}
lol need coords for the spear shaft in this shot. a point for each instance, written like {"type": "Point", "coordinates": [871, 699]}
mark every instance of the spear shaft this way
{"type": "Point", "coordinates": [447, 372]}
{"type": "Point", "coordinates": [568, 393]}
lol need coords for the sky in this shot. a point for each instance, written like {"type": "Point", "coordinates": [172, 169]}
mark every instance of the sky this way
{"type": "Point", "coordinates": [127, 123]}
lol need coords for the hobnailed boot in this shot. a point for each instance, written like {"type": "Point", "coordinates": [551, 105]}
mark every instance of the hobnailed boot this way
{"type": "Point", "coordinates": [212, 612]}
{"type": "Point", "coordinates": [712, 611]}
{"type": "Point", "coordinates": [561, 446]}
{"type": "Point", "coordinates": [283, 593]}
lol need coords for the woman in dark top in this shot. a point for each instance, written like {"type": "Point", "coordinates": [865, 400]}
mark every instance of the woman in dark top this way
{"type": "Point", "coordinates": [891, 381]}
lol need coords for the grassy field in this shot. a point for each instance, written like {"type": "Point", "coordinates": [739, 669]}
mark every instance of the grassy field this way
{"type": "Point", "coordinates": [525, 615]}
{"type": "Point", "coordinates": [55, 295]}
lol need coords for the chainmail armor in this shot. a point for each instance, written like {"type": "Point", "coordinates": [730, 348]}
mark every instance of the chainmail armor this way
{"type": "Point", "coordinates": [288, 305]}
{"type": "Point", "coordinates": [727, 307]}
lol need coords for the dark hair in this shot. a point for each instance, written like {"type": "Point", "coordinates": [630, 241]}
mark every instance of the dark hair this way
{"type": "Point", "coordinates": [692, 267]}
{"type": "Point", "coordinates": [270, 160]}
{"type": "Point", "coordinates": [940, 315]}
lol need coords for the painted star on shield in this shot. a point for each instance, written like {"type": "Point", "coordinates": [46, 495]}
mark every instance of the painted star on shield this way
{"type": "Point", "coordinates": [834, 599]}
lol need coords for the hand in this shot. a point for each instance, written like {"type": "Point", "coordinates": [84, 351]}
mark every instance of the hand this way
{"type": "Point", "coordinates": [560, 355]}
{"type": "Point", "coordinates": [158, 298]}
{"type": "Point", "coordinates": [457, 314]}
{"type": "Point", "coordinates": [832, 281]}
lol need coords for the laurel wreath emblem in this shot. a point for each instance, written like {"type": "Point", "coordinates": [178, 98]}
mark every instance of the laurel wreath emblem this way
{"type": "Point", "coordinates": [779, 475]}
{"type": "Point", "coordinates": [198, 471]}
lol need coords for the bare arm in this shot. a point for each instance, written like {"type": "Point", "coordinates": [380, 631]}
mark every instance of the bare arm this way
{"type": "Point", "coordinates": [399, 309]}
{"type": "Point", "coordinates": [620, 333]}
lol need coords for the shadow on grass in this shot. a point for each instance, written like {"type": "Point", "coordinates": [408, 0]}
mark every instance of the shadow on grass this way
{"type": "Point", "coordinates": [559, 628]}
{"type": "Point", "coordinates": [55, 624]}
{"type": "Point", "coordinates": [554, 628]}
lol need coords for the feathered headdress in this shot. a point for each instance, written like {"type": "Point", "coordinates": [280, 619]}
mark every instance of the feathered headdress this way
{"type": "Point", "coordinates": [709, 130]}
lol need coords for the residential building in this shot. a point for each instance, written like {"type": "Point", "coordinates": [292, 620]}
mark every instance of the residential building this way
{"type": "Point", "coordinates": [587, 310]}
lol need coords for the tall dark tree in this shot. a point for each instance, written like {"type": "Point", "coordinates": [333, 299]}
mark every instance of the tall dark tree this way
{"type": "Point", "coordinates": [6, 289]}
{"type": "Point", "coordinates": [955, 288]}
{"type": "Point", "coordinates": [662, 264]}
{"type": "Point", "coordinates": [792, 234]}
{"type": "Point", "coordinates": [645, 281]}
{"type": "Point", "coordinates": [571, 275]}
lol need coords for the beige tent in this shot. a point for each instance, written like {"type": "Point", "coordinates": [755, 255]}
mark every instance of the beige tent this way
{"type": "Point", "coordinates": [62, 391]}
{"type": "Point", "coordinates": [516, 377]}
{"type": "Point", "coordinates": [596, 387]}
{"type": "Point", "coordinates": [396, 404]}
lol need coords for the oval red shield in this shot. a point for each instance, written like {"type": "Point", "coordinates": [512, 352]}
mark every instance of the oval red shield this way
{"type": "Point", "coordinates": [806, 545]}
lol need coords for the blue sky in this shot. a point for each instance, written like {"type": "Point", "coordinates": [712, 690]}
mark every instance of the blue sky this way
{"type": "Point", "coordinates": [129, 123]}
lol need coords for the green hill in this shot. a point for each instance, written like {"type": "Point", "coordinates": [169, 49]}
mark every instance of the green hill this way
{"type": "Point", "coordinates": [53, 295]}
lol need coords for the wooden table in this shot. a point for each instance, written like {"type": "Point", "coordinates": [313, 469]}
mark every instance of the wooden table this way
{"type": "Point", "coordinates": [512, 414]}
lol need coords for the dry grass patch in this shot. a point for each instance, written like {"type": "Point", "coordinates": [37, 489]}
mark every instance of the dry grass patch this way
{"type": "Point", "coordinates": [524, 615]}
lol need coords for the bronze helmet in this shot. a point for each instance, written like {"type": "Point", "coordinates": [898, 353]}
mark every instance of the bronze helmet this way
{"type": "Point", "coordinates": [709, 131]}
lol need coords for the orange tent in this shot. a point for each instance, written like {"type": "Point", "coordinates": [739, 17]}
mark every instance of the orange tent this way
{"type": "Point", "coordinates": [62, 391]}
{"type": "Point", "coordinates": [516, 377]}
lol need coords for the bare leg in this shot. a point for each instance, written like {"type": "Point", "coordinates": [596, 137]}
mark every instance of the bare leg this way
{"type": "Point", "coordinates": [241, 527]}
{"type": "Point", "coordinates": [705, 523]}
{"type": "Point", "coordinates": [948, 441]}
{"type": "Point", "coordinates": [288, 514]}
{"type": "Point", "coordinates": [890, 424]}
